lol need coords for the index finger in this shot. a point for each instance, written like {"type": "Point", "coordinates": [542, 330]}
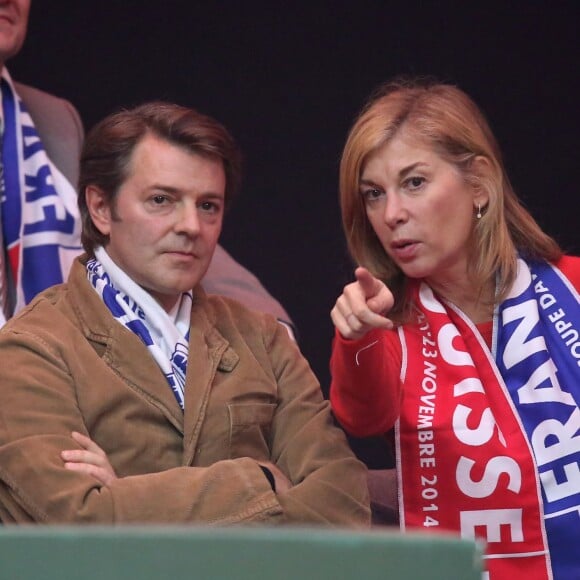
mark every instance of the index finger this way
{"type": "Point", "coordinates": [370, 285]}
{"type": "Point", "coordinates": [86, 442]}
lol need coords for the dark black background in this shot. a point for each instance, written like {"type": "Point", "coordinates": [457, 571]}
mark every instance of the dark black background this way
{"type": "Point", "coordinates": [287, 79]}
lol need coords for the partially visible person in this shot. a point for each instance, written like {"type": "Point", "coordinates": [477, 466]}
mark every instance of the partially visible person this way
{"type": "Point", "coordinates": [227, 277]}
{"type": "Point", "coordinates": [131, 395]}
{"type": "Point", "coordinates": [461, 330]}
{"type": "Point", "coordinates": [41, 140]}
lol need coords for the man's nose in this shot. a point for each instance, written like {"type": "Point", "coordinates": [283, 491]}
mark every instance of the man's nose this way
{"type": "Point", "coordinates": [188, 220]}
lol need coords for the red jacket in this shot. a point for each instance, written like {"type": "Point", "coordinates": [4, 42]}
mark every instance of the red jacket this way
{"type": "Point", "coordinates": [365, 388]}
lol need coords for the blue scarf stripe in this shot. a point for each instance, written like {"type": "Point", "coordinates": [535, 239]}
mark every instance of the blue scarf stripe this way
{"type": "Point", "coordinates": [548, 315]}
{"type": "Point", "coordinates": [11, 203]}
{"type": "Point", "coordinates": [560, 321]}
{"type": "Point", "coordinates": [41, 260]}
{"type": "Point", "coordinates": [140, 330]}
{"type": "Point", "coordinates": [110, 300]}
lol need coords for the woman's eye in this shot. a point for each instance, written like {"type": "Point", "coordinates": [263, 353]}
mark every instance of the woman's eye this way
{"type": "Point", "coordinates": [372, 194]}
{"type": "Point", "coordinates": [415, 182]}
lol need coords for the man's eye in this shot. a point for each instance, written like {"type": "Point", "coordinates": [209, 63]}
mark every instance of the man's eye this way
{"type": "Point", "coordinates": [209, 206]}
{"type": "Point", "coordinates": [159, 199]}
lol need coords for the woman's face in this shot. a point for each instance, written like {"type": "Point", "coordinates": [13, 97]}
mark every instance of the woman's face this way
{"type": "Point", "coordinates": [421, 209]}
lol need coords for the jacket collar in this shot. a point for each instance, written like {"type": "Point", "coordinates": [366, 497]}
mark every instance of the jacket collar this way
{"type": "Point", "coordinates": [127, 356]}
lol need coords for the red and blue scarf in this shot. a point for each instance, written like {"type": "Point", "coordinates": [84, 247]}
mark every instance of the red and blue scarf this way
{"type": "Point", "coordinates": [489, 443]}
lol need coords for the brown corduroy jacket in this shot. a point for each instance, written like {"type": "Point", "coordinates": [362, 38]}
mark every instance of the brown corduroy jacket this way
{"type": "Point", "coordinates": [67, 365]}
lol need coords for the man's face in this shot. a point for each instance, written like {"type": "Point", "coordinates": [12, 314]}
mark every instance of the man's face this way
{"type": "Point", "coordinates": [13, 23]}
{"type": "Point", "coordinates": [166, 218]}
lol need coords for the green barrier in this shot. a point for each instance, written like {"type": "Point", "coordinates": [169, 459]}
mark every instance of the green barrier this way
{"type": "Point", "coordinates": [155, 553]}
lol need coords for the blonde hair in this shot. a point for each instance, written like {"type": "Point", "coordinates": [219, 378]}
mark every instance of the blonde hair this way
{"type": "Point", "coordinates": [445, 119]}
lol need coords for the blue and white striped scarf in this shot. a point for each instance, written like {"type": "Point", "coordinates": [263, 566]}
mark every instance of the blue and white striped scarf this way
{"type": "Point", "coordinates": [38, 209]}
{"type": "Point", "coordinates": [166, 335]}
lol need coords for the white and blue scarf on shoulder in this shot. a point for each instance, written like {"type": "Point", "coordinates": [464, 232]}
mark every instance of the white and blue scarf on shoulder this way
{"type": "Point", "coordinates": [38, 206]}
{"type": "Point", "coordinates": [165, 334]}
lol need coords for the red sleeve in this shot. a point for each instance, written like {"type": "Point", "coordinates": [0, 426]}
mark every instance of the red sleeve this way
{"type": "Point", "coordinates": [365, 382]}
{"type": "Point", "coordinates": [570, 267]}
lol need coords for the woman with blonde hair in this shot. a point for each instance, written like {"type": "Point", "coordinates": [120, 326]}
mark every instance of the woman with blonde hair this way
{"type": "Point", "coordinates": [461, 330]}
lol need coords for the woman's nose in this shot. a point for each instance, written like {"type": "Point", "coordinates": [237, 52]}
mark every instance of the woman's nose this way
{"type": "Point", "coordinates": [395, 211]}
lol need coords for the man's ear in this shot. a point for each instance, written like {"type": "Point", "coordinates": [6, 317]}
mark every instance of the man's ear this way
{"type": "Point", "coordinates": [481, 170]}
{"type": "Point", "coordinates": [99, 208]}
